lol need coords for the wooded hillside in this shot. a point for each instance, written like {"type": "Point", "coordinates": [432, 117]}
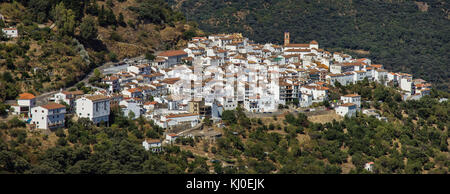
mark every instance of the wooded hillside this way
{"type": "Point", "coordinates": [407, 36]}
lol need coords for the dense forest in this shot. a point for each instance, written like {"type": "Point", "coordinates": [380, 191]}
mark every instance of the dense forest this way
{"type": "Point", "coordinates": [414, 140]}
{"type": "Point", "coordinates": [405, 36]}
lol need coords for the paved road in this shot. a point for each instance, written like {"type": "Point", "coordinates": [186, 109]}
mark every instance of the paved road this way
{"type": "Point", "coordinates": [317, 111]}
{"type": "Point", "coordinates": [43, 98]}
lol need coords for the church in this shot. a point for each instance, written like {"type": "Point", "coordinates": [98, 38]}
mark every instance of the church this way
{"type": "Point", "coordinates": [299, 49]}
{"type": "Point", "coordinates": [289, 45]}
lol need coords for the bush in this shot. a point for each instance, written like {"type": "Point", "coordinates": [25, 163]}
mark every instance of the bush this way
{"type": "Point", "coordinates": [16, 122]}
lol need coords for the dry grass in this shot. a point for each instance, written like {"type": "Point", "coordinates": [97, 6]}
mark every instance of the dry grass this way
{"type": "Point", "coordinates": [325, 118]}
{"type": "Point", "coordinates": [346, 167]}
{"type": "Point", "coordinates": [145, 37]}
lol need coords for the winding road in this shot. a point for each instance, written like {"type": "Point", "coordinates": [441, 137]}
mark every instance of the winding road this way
{"type": "Point", "coordinates": [43, 98]}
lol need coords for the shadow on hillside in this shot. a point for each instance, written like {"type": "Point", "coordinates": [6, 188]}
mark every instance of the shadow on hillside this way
{"type": "Point", "coordinates": [95, 45]}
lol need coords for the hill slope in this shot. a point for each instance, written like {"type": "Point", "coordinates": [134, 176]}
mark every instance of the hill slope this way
{"type": "Point", "coordinates": [61, 41]}
{"type": "Point", "coordinates": [406, 36]}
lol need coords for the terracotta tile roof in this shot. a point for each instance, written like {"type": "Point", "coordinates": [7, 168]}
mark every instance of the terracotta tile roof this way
{"type": "Point", "coordinates": [112, 78]}
{"type": "Point", "coordinates": [298, 50]}
{"type": "Point", "coordinates": [172, 53]}
{"type": "Point", "coordinates": [150, 103]}
{"type": "Point", "coordinates": [377, 66]}
{"type": "Point", "coordinates": [26, 96]}
{"type": "Point", "coordinates": [352, 95]}
{"type": "Point", "coordinates": [51, 106]}
{"type": "Point", "coordinates": [134, 90]}
{"type": "Point", "coordinates": [153, 141]}
{"type": "Point", "coordinates": [170, 80]}
{"type": "Point", "coordinates": [97, 97]}
{"type": "Point", "coordinates": [348, 104]}
{"type": "Point", "coordinates": [297, 45]}
{"type": "Point", "coordinates": [77, 92]}
{"type": "Point", "coordinates": [181, 115]}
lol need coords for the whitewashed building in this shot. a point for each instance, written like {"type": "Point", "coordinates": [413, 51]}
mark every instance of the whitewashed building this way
{"type": "Point", "coordinates": [153, 145]}
{"type": "Point", "coordinates": [191, 119]}
{"type": "Point", "coordinates": [24, 104]}
{"type": "Point", "coordinates": [352, 98]}
{"type": "Point", "coordinates": [96, 108]}
{"type": "Point", "coordinates": [347, 109]}
{"type": "Point", "coordinates": [67, 96]}
{"type": "Point", "coordinates": [11, 32]}
{"type": "Point", "coordinates": [170, 138]}
{"type": "Point", "coordinates": [128, 106]}
{"type": "Point", "coordinates": [48, 116]}
{"type": "Point", "coordinates": [306, 100]}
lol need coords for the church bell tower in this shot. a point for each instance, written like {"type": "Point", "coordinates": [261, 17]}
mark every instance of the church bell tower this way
{"type": "Point", "coordinates": [286, 38]}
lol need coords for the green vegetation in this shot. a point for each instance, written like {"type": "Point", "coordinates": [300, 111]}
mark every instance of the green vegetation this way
{"type": "Point", "coordinates": [414, 140]}
{"type": "Point", "coordinates": [61, 41]}
{"type": "Point", "coordinates": [156, 11]}
{"type": "Point", "coordinates": [415, 143]}
{"type": "Point", "coordinates": [398, 34]}
{"type": "Point", "coordinates": [85, 148]}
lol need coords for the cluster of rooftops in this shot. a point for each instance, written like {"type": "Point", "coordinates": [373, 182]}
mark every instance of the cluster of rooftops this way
{"type": "Point", "coordinates": [223, 71]}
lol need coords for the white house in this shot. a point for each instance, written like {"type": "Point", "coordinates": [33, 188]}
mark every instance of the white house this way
{"type": "Point", "coordinates": [177, 119]}
{"type": "Point", "coordinates": [24, 104]}
{"type": "Point", "coordinates": [369, 166]}
{"type": "Point", "coordinates": [149, 106]}
{"type": "Point", "coordinates": [67, 96]}
{"type": "Point", "coordinates": [342, 78]}
{"type": "Point", "coordinates": [170, 138]}
{"type": "Point", "coordinates": [11, 32]}
{"type": "Point", "coordinates": [306, 100]}
{"type": "Point", "coordinates": [152, 144]}
{"type": "Point", "coordinates": [319, 93]}
{"type": "Point", "coordinates": [381, 76]}
{"type": "Point", "coordinates": [130, 106]}
{"type": "Point", "coordinates": [173, 57]}
{"type": "Point", "coordinates": [359, 76]}
{"type": "Point", "coordinates": [352, 98]}
{"type": "Point", "coordinates": [113, 83]}
{"type": "Point", "coordinates": [96, 108]}
{"type": "Point", "coordinates": [140, 69]}
{"type": "Point", "coordinates": [48, 116]}
{"type": "Point", "coordinates": [133, 93]}
{"type": "Point", "coordinates": [347, 109]}
{"type": "Point", "coordinates": [406, 84]}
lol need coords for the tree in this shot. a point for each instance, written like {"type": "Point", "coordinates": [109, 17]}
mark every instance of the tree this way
{"type": "Point", "coordinates": [3, 36]}
{"type": "Point", "coordinates": [149, 56]}
{"type": "Point", "coordinates": [121, 20]}
{"type": "Point", "coordinates": [229, 116]}
{"type": "Point", "coordinates": [207, 121]}
{"type": "Point", "coordinates": [88, 28]}
{"type": "Point", "coordinates": [64, 19]}
{"type": "Point", "coordinates": [131, 115]}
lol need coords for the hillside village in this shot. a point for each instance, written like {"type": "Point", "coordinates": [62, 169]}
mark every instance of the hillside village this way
{"type": "Point", "coordinates": [180, 88]}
